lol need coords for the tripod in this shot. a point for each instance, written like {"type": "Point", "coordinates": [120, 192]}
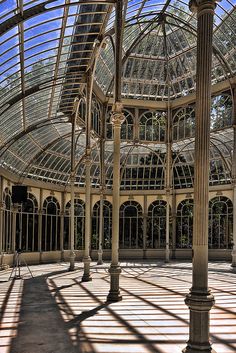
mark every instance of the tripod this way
{"type": "Point", "coordinates": [15, 273]}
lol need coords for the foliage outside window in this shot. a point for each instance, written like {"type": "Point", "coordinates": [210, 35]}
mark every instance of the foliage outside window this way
{"type": "Point", "coordinates": [131, 225]}
{"type": "Point", "coordinates": [27, 225]}
{"type": "Point", "coordinates": [79, 224]}
{"type": "Point", "coordinates": [143, 170]}
{"type": "Point", "coordinates": [107, 225]}
{"type": "Point", "coordinates": [220, 223]}
{"type": "Point", "coordinates": [184, 224]}
{"type": "Point", "coordinates": [51, 224]}
{"type": "Point", "coordinates": [152, 126]}
{"type": "Point", "coordinates": [126, 132]}
{"type": "Point", "coordinates": [156, 225]}
{"type": "Point", "coordinates": [96, 115]}
{"type": "Point", "coordinates": [221, 111]}
{"type": "Point", "coordinates": [184, 123]}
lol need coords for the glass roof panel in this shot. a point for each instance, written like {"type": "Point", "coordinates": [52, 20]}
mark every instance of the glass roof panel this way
{"type": "Point", "coordinates": [43, 63]}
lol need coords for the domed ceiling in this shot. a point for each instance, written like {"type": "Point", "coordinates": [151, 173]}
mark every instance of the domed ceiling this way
{"type": "Point", "coordinates": [46, 48]}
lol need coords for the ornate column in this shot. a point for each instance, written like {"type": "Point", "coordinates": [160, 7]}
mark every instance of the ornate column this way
{"type": "Point", "coordinates": [72, 195]}
{"type": "Point", "coordinates": [86, 259]}
{"type": "Point", "coordinates": [168, 140]}
{"type": "Point", "coordinates": [13, 230]}
{"type": "Point", "coordinates": [145, 216]}
{"type": "Point", "coordinates": [200, 300]}
{"type": "Point", "coordinates": [167, 253]}
{"type": "Point", "coordinates": [117, 118]}
{"type": "Point", "coordinates": [1, 214]}
{"type": "Point", "coordinates": [173, 216]}
{"type": "Point", "coordinates": [234, 180]}
{"type": "Point", "coordinates": [115, 270]}
{"type": "Point", "coordinates": [72, 223]}
{"type": "Point", "coordinates": [62, 215]}
{"type": "Point", "coordinates": [40, 224]}
{"type": "Point", "coordinates": [102, 187]}
{"type": "Point", "coordinates": [101, 228]}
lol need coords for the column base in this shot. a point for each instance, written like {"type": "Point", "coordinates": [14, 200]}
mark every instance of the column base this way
{"type": "Point", "coordinates": [189, 349]}
{"type": "Point", "coordinates": [167, 256]}
{"type": "Point", "coordinates": [40, 257]}
{"type": "Point", "coordinates": [72, 261]}
{"type": "Point", "coordinates": [233, 253]}
{"type": "Point", "coordinates": [199, 303]}
{"type": "Point", "coordinates": [114, 293]}
{"type": "Point", "coordinates": [100, 262]}
{"type": "Point", "coordinates": [86, 275]}
{"type": "Point", "coordinates": [62, 256]}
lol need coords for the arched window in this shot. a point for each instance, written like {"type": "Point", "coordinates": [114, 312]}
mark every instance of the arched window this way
{"type": "Point", "coordinates": [184, 123]}
{"type": "Point", "coordinates": [152, 126]}
{"type": "Point", "coordinates": [126, 127]}
{"type": "Point", "coordinates": [7, 221]}
{"type": "Point", "coordinates": [184, 224]}
{"type": "Point", "coordinates": [79, 225]}
{"type": "Point", "coordinates": [156, 225]}
{"type": "Point", "coordinates": [107, 225]}
{"type": "Point", "coordinates": [27, 225]}
{"type": "Point", "coordinates": [96, 115]}
{"type": "Point", "coordinates": [143, 169]}
{"type": "Point", "coordinates": [51, 224]}
{"type": "Point", "coordinates": [131, 225]}
{"type": "Point", "coordinates": [220, 223]}
{"type": "Point", "coordinates": [82, 109]}
{"type": "Point", "coordinates": [221, 111]}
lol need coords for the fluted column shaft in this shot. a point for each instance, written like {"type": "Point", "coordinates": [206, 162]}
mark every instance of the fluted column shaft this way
{"type": "Point", "coordinates": [101, 228]}
{"type": "Point", "coordinates": [167, 252]}
{"type": "Point", "coordinates": [234, 180]}
{"type": "Point", "coordinates": [86, 259]}
{"type": "Point", "coordinates": [1, 214]}
{"type": "Point", "coordinates": [234, 227]}
{"type": "Point", "coordinates": [200, 300]}
{"type": "Point", "coordinates": [145, 217]}
{"type": "Point", "coordinates": [13, 236]}
{"type": "Point", "coordinates": [117, 118]}
{"type": "Point", "coordinates": [173, 216]}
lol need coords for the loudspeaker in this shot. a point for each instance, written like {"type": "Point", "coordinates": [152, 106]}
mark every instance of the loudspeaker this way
{"type": "Point", "coordinates": [19, 193]}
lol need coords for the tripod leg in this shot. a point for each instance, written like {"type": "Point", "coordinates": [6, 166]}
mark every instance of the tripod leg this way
{"type": "Point", "coordinates": [14, 268]}
{"type": "Point", "coordinates": [18, 266]}
{"type": "Point", "coordinates": [28, 268]}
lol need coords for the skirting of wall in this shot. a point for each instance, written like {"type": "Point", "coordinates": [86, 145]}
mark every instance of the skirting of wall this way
{"type": "Point", "coordinates": [124, 254]}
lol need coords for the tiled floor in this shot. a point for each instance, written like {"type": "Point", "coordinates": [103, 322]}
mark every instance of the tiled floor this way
{"type": "Point", "coordinates": [55, 312]}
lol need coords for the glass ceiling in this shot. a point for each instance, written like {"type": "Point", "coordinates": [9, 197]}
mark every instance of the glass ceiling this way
{"type": "Point", "coordinates": [46, 47]}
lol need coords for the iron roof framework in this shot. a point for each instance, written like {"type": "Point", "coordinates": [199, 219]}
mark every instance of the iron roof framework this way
{"type": "Point", "coordinates": [46, 49]}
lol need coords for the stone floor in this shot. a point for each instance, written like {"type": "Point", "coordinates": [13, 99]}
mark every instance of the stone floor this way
{"type": "Point", "coordinates": [55, 313]}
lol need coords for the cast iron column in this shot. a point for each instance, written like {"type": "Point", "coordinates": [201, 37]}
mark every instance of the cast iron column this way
{"type": "Point", "coordinates": [200, 300]}
{"type": "Point", "coordinates": [86, 259]}
{"type": "Point", "coordinates": [117, 118]}
{"type": "Point", "coordinates": [115, 270]}
{"type": "Point", "coordinates": [234, 180]}
{"type": "Point", "coordinates": [72, 195]}
{"type": "Point", "coordinates": [1, 214]}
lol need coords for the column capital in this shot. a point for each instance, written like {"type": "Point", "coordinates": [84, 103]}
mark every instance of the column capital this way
{"type": "Point", "coordinates": [72, 176]}
{"type": "Point", "coordinates": [117, 116]}
{"type": "Point", "coordinates": [101, 190]}
{"type": "Point", "coordinates": [201, 6]}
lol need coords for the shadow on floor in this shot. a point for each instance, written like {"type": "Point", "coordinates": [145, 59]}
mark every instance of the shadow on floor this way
{"type": "Point", "coordinates": [41, 328]}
